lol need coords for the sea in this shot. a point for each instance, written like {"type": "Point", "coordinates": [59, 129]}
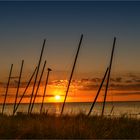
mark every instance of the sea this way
{"type": "Point", "coordinates": [117, 109]}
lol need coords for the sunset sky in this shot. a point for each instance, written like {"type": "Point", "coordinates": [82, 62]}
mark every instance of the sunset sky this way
{"type": "Point", "coordinates": [24, 26]}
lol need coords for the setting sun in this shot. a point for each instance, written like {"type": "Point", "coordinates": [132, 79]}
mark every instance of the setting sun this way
{"type": "Point", "coordinates": [57, 97]}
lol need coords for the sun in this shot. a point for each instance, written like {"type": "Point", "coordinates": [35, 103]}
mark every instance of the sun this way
{"type": "Point", "coordinates": [57, 97]}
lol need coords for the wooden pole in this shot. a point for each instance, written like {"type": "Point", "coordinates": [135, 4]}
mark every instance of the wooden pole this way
{"type": "Point", "coordinates": [72, 73]}
{"type": "Point", "coordinates": [18, 86]}
{"type": "Point", "coordinates": [108, 78]}
{"type": "Point", "coordinates": [7, 88]}
{"type": "Point", "coordinates": [38, 87]}
{"type": "Point", "coordinates": [25, 90]}
{"type": "Point", "coordinates": [46, 83]}
{"type": "Point", "coordinates": [112, 109]}
{"type": "Point", "coordinates": [98, 92]}
{"type": "Point", "coordinates": [36, 75]}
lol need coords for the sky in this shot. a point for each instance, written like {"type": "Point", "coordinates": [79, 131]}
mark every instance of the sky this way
{"type": "Point", "coordinates": [24, 26]}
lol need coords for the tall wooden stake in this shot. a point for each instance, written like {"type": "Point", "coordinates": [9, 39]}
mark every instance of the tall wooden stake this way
{"type": "Point", "coordinates": [18, 86]}
{"type": "Point", "coordinates": [72, 73]}
{"type": "Point", "coordinates": [98, 92]}
{"type": "Point", "coordinates": [112, 109]}
{"type": "Point", "coordinates": [46, 83]}
{"type": "Point", "coordinates": [7, 88]}
{"type": "Point", "coordinates": [36, 75]}
{"type": "Point", "coordinates": [110, 65]}
{"type": "Point", "coordinates": [25, 90]}
{"type": "Point", "coordinates": [38, 87]}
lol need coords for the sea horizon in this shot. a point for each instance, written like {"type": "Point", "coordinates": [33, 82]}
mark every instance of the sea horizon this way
{"type": "Point", "coordinates": [76, 102]}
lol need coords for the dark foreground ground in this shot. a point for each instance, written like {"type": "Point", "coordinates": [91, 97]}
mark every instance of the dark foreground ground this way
{"type": "Point", "coordinates": [80, 126]}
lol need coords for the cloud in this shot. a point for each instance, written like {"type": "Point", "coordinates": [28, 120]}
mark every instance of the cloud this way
{"type": "Point", "coordinates": [112, 86]}
{"type": "Point", "coordinates": [137, 80]}
{"type": "Point", "coordinates": [125, 87]}
{"type": "Point", "coordinates": [117, 79]}
{"type": "Point", "coordinates": [129, 81]}
{"type": "Point", "coordinates": [132, 75]}
{"type": "Point", "coordinates": [126, 93]}
{"type": "Point", "coordinates": [26, 96]}
{"type": "Point", "coordinates": [88, 87]}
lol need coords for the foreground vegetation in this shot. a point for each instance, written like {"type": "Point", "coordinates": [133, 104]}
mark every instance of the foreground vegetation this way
{"type": "Point", "coordinates": [80, 126]}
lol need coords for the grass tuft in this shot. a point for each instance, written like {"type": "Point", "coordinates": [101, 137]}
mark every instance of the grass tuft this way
{"type": "Point", "coordinates": [76, 126]}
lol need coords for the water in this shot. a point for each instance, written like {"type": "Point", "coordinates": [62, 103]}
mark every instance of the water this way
{"type": "Point", "coordinates": [120, 108]}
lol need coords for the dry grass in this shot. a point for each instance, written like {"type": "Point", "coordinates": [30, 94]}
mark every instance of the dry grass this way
{"type": "Point", "coordinates": [80, 126]}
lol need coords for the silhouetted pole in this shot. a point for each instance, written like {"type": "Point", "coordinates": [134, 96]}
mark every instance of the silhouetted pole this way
{"type": "Point", "coordinates": [46, 83]}
{"type": "Point", "coordinates": [18, 86]}
{"type": "Point", "coordinates": [38, 87]}
{"type": "Point", "coordinates": [25, 90]}
{"type": "Point", "coordinates": [110, 65]}
{"type": "Point", "coordinates": [7, 88]}
{"type": "Point", "coordinates": [112, 109]}
{"type": "Point", "coordinates": [98, 92]}
{"type": "Point", "coordinates": [36, 74]}
{"type": "Point", "coordinates": [72, 73]}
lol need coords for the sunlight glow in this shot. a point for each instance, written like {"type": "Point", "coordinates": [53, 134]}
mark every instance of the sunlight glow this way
{"type": "Point", "coordinates": [57, 97]}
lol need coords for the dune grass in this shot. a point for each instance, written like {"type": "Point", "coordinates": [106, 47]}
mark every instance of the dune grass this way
{"type": "Point", "coordinates": [79, 126]}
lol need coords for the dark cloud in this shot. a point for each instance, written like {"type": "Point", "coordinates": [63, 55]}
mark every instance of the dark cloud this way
{"type": "Point", "coordinates": [137, 80]}
{"type": "Point", "coordinates": [23, 84]}
{"type": "Point", "coordinates": [85, 80]}
{"type": "Point", "coordinates": [129, 81]}
{"type": "Point", "coordinates": [58, 82]}
{"type": "Point", "coordinates": [96, 81]}
{"type": "Point", "coordinates": [89, 87]}
{"type": "Point", "coordinates": [125, 87]}
{"type": "Point", "coordinates": [2, 84]}
{"type": "Point", "coordinates": [91, 81]}
{"type": "Point", "coordinates": [118, 79]}
{"type": "Point", "coordinates": [26, 96]}
{"type": "Point", "coordinates": [126, 93]}
{"type": "Point", "coordinates": [113, 86]}
{"type": "Point", "coordinates": [132, 75]}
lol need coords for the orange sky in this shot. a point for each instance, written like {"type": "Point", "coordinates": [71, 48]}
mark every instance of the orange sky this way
{"type": "Point", "coordinates": [84, 90]}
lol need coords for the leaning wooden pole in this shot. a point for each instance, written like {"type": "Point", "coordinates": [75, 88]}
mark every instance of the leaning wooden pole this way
{"type": "Point", "coordinates": [25, 90]}
{"type": "Point", "coordinates": [98, 92]}
{"type": "Point", "coordinates": [108, 78]}
{"type": "Point", "coordinates": [38, 87]}
{"type": "Point", "coordinates": [46, 83]}
{"type": "Point", "coordinates": [18, 86]}
{"type": "Point", "coordinates": [39, 62]}
{"type": "Point", "coordinates": [7, 88]}
{"type": "Point", "coordinates": [72, 73]}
